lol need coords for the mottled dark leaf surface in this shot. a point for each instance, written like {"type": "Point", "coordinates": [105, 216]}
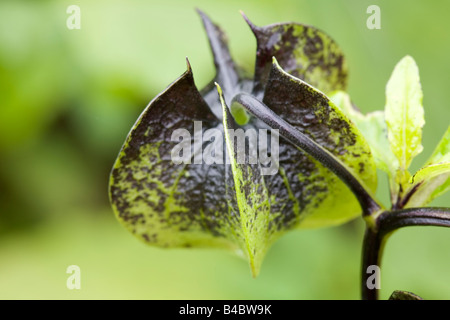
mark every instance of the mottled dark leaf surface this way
{"type": "Point", "coordinates": [161, 202]}
{"type": "Point", "coordinates": [312, 113]}
{"type": "Point", "coordinates": [254, 230]}
{"type": "Point", "coordinates": [234, 205]}
{"type": "Point", "coordinates": [302, 51]}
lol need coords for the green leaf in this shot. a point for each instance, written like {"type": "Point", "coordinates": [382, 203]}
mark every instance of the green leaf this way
{"type": "Point", "coordinates": [442, 188]}
{"type": "Point", "coordinates": [430, 171]}
{"type": "Point", "coordinates": [404, 115]}
{"type": "Point", "coordinates": [303, 51]}
{"type": "Point", "coordinates": [442, 151]}
{"type": "Point", "coordinates": [434, 178]}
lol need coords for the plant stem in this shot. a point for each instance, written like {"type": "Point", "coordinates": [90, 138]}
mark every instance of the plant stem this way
{"type": "Point", "coordinates": [394, 220]}
{"type": "Point", "coordinates": [297, 138]}
{"type": "Point", "coordinates": [386, 223]}
{"type": "Point", "coordinates": [371, 255]}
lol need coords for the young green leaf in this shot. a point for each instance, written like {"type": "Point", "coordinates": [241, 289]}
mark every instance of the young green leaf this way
{"type": "Point", "coordinates": [430, 171]}
{"type": "Point", "coordinates": [404, 115]}
{"type": "Point", "coordinates": [442, 188]}
{"type": "Point", "coordinates": [442, 151]}
{"type": "Point", "coordinates": [434, 178]}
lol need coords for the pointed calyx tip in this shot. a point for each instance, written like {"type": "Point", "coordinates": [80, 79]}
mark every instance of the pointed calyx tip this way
{"type": "Point", "coordinates": [219, 89]}
{"type": "Point", "coordinates": [200, 12]}
{"type": "Point", "coordinates": [275, 62]}
{"type": "Point", "coordinates": [203, 15]}
{"type": "Point", "coordinates": [188, 65]}
{"type": "Point", "coordinates": [251, 25]}
{"type": "Point", "coordinates": [254, 268]}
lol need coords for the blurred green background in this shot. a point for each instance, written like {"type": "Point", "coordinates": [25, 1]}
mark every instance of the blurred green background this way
{"type": "Point", "coordinates": [69, 97]}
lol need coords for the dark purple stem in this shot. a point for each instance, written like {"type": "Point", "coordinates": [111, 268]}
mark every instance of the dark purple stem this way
{"type": "Point", "coordinates": [388, 222]}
